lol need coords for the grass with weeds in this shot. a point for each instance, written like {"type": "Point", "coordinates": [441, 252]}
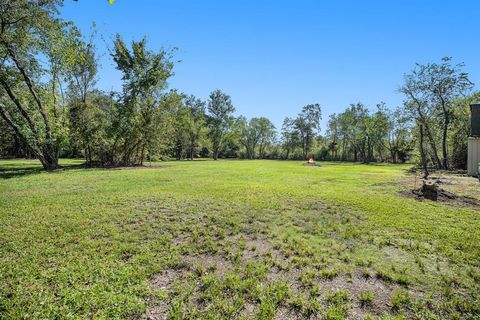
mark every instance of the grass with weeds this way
{"type": "Point", "coordinates": [231, 240]}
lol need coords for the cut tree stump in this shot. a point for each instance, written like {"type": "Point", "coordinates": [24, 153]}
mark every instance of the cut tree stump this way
{"type": "Point", "coordinates": [431, 190]}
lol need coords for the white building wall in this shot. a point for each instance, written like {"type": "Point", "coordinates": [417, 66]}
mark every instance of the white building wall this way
{"type": "Point", "coordinates": [473, 155]}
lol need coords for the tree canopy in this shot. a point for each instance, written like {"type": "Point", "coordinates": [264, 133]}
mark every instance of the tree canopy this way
{"type": "Point", "coordinates": [50, 107]}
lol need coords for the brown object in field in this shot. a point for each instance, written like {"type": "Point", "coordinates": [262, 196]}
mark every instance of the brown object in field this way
{"type": "Point", "coordinates": [431, 190]}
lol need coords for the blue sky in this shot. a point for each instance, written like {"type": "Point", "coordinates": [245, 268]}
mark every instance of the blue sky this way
{"type": "Point", "coordinates": [274, 56]}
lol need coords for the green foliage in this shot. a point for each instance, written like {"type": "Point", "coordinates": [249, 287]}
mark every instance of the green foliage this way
{"type": "Point", "coordinates": [258, 133]}
{"type": "Point", "coordinates": [432, 91]}
{"type": "Point", "coordinates": [220, 120]}
{"type": "Point", "coordinates": [44, 54]}
{"type": "Point", "coordinates": [305, 127]}
{"type": "Point", "coordinates": [302, 131]}
{"type": "Point", "coordinates": [30, 102]}
{"type": "Point", "coordinates": [142, 115]}
{"type": "Point", "coordinates": [190, 127]}
{"type": "Point", "coordinates": [90, 125]}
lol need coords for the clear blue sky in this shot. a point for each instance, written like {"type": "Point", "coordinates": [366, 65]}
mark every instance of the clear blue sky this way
{"type": "Point", "coordinates": [274, 56]}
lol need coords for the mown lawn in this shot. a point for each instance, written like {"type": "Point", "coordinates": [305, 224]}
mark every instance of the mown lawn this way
{"type": "Point", "coordinates": [231, 240]}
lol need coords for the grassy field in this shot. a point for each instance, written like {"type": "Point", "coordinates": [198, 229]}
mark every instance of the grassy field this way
{"type": "Point", "coordinates": [232, 240]}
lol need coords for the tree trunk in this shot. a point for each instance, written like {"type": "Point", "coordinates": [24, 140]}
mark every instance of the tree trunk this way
{"type": "Point", "coordinates": [142, 156]}
{"type": "Point", "coordinates": [47, 154]}
{"type": "Point", "coordinates": [444, 142]}
{"type": "Point", "coordinates": [426, 128]}
{"type": "Point", "coordinates": [433, 145]}
{"type": "Point", "coordinates": [49, 160]}
{"type": "Point", "coordinates": [422, 153]}
{"type": "Point", "coordinates": [393, 154]}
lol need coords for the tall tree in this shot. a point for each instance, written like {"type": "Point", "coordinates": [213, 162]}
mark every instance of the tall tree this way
{"type": "Point", "coordinates": [190, 126]}
{"type": "Point", "coordinates": [90, 126]}
{"type": "Point", "coordinates": [248, 134]}
{"type": "Point", "coordinates": [258, 132]}
{"type": "Point", "coordinates": [83, 113]}
{"type": "Point", "coordinates": [333, 135]}
{"type": "Point", "coordinates": [399, 135]}
{"type": "Point", "coordinates": [181, 128]}
{"type": "Point", "coordinates": [196, 123]}
{"type": "Point", "coordinates": [267, 135]}
{"type": "Point", "coordinates": [30, 30]}
{"type": "Point", "coordinates": [307, 125]}
{"type": "Point", "coordinates": [433, 88]}
{"type": "Point", "coordinates": [288, 136]}
{"type": "Point", "coordinates": [446, 83]}
{"type": "Point", "coordinates": [418, 106]}
{"type": "Point", "coordinates": [139, 109]}
{"type": "Point", "coordinates": [220, 109]}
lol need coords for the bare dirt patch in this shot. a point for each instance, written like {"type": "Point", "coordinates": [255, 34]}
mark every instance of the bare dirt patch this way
{"type": "Point", "coordinates": [355, 286]}
{"type": "Point", "coordinates": [455, 190]}
{"type": "Point", "coordinates": [158, 309]}
{"type": "Point", "coordinates": [447, 198]}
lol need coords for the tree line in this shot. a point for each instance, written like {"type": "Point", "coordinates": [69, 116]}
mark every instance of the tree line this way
{"type": "Point", "coordinates": [50, 107]}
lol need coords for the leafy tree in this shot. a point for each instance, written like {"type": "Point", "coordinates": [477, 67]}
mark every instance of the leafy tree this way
{"type": "Point", "coordinates": [190, 126]}
{"type": "Point", "coordinates": [84, 114]}
{"type": "Point", "coordinates": [231, 147]}
{"type": "Point", "coordinates": [361, 130]}
{"type": "Point", "coordinates": [181, 128]}
{"type": "Point", "coordinates": [288, 136]}
{"type": "Point", "coordinates": [30, 30]}
{"type": "Point", "coordinates": [418, 107]}
{"type": "Point", "coordinates": [447, 83]}
{"type": "Point", "coordinates": [139, 109]}
{"type": "Point", "coordinates": [306, 126]}
{"type": "Point", "coordinates": [333, 134]}
{"type": "Point", "coordinates": [220, 111]}
{"type": "Point", "coordinates": [432, 90]}
{"type": "Point", "coordinates": [196, 123]}
{"type": "Point", "coordinates": [90, 125]}
{"type": "Point", "coordinates": [82, 74]}
{"type": "Point", "coordinates": [249, 135]}
{"type": "Point", "coordinates": [258, 132]}
{"type": "Point", "coordinates": [399, 138]}
{"type": "Point", "coordinates": [267, 135]}
{"type": "Point", "coordinates": [359, 135]}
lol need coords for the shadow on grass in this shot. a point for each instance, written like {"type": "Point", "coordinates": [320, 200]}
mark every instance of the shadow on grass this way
{"type": "Point", "coordinates": [8, 173]}
{"type": "Point", "coordinates": [16, 172]}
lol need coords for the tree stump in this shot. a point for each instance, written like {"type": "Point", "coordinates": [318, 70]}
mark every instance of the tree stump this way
{"type": "Point", "coordinates": [430, 190]}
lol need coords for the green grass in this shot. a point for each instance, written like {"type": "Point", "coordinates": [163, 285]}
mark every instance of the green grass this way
{"type": "Point", "coordinates": [231, 239]}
